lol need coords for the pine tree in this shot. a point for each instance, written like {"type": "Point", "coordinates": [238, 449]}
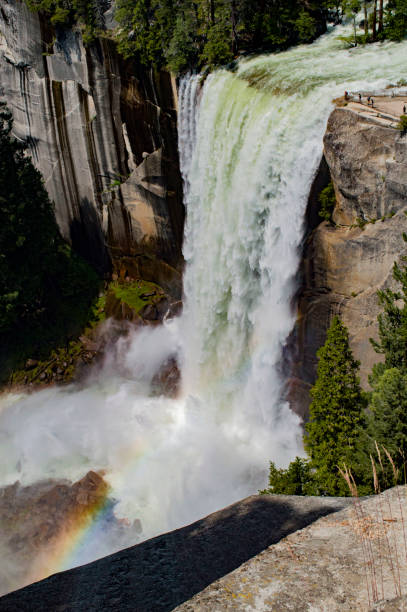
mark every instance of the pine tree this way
{"type": "Point", "coordinates": [395, 26]}
{"type": "Point", "coordinates": [336, 411]}
{"type": "Point", "coordinates": [392, 325]}
{"type": "Point", "coordinates": [297, 479]}
{"type": "Point", "coordinates": [387, 420]}
{"type": "Point", "coordinates": [388, 412]}
{"type": "Point", "coordinates": [218, 46]}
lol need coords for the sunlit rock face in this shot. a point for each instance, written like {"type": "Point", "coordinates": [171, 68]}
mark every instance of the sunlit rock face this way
{"type": "Point", "coordinates": [345, 265]}
{"type": "Point", "coordinates": [103, 134]}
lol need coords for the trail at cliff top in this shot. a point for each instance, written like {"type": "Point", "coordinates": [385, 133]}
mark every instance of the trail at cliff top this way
{"type": "Point", "coordinates": [248, 158]}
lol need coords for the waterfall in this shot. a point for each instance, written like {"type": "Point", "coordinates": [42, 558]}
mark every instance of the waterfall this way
{"type": "Point", "coordinates": [250, 142]}
{"type": "Point", "coordinates": [188, 96]}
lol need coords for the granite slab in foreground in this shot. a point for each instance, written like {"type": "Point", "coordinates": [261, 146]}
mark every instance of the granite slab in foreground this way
{"type": "Point", "coordinates": [352, 560]}
{"type": "Point", "coordinates": [162, 573]}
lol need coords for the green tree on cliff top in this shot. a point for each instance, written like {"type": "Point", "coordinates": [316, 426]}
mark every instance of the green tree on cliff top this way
{"type": "Point", "coordinates": [336, 411]}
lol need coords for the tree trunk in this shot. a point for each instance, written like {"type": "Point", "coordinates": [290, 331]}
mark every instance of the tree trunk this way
{"type": "Point", "coordinates": [381, 16]}
{"type": "Point", "coordinates": [212, 5]}
{"type": "Point", "coordinates": [365, 19]}
{"type": "Point", "coordinates": [235, 46]}
{"type": "Point", "coordinates": [374, 20]}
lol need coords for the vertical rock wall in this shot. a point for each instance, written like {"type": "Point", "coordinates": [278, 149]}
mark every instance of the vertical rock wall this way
{"type": "Point", "coordinates": [102, 132]}
{"type": "Point", "coordinates": [345, 265]}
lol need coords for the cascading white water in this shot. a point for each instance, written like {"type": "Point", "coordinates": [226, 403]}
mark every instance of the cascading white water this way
{"type": "Point", "coordinates": [248, 160]}
{"type": "Point", "coordinates": [188, 98]}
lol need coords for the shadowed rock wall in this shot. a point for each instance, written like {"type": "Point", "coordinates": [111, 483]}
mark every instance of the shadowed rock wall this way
{"type": "Point", "coordinates": [103, 133]}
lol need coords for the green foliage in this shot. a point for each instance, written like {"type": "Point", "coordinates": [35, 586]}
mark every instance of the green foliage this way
{"type": "Point", "coordinates": [352, 8]}
{"type": "Point", "coordinates": [327, 199]}
{"type": "Point", "coordinates": [402, 125]}
{"type": "Point", "coordinates": [388, 402]}
{"type": "Point", "coordinates": [218, 45]}
{"type": "Point", "coordinates": [297, 479]}
{"type": "Point", "coordinates": [305, 26]}
{"type": "Point", "coordinates": [183, 49]}
{"type": "Point", "coordinates": [45, 288]}
{"type": "Point", "coordinates": [388, 416]}
{"type": "Point", "coordinates": [393, 324]}
{"type": "Point", "coordinates": [60, 363]}
{"type": "Point", "coordinates": [140, 31]}
{"type": "Point", "coordinates": [137, 294]}
{"type": "Point", "coordinates": [186, 34]}
{"type": "Point", "coordinates": [340, 431]}
{"type": "Point", "coordinates": [65, 13]}
{"type": "Point", "coordinates": [395, 22]}
{"type": "Point", "coordinates": [60, 16]}
{"type": "Point", "coordinates": [336, 411]}
{"type": "Point", "coordinates": [361, 222]}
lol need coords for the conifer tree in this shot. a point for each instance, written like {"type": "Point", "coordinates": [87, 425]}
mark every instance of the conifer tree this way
{"type": "Point", "coordinates": [395, 27]}
{"type": "Point", "coordinates": [297, 479]}
{"type": "Point", "coordinates": [392, 325]}
{"type": "Point", "coordinates": [387, 420]}
{"type": "Point", "coordinates": [388, 412]}
{"type": "Point", "coordinates": [336, 411]}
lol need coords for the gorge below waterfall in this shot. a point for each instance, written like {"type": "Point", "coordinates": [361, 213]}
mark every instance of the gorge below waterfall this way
{"type": "Point", "coordinates": [250, 143]}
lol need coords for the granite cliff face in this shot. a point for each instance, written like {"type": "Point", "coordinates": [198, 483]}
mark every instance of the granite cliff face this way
{"type": "Point", "coordinates": [345, 265]}
{"type": "Point", "coordinates": [103, 133]}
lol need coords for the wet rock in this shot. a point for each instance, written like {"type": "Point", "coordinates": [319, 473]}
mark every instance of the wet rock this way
{"type": "Point", "coordinates": [121, 311]}
{"type": "Point", "coordinates": [149, 313]}
{"type": "Point", "coordinates": [168, 379]}
{"type": "Point", "coordinates": [34, 518]}
{"type": "Point", "coordinates": [145, 296]}
{"type": "Point", "coordinates": [175, 309]}
{"type": "Point", "coordinates": [151, 269]}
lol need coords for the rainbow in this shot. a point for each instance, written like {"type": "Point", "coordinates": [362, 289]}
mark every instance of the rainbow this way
{"type": "Point", "coordinates": [78, 529]}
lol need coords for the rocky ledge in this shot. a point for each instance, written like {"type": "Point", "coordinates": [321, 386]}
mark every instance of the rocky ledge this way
{"type": "Point", "coordinates": [348, 561]}
{"type": "Point", "coordinates": [162, 573]}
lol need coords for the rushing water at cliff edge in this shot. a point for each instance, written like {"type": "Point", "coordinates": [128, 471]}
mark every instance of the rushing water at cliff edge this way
{"type": "Point", "coordinates": [248, 153]}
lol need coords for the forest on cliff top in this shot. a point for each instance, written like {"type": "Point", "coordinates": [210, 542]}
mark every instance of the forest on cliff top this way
{"type": "Point", "coordinates": [184, 35]}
